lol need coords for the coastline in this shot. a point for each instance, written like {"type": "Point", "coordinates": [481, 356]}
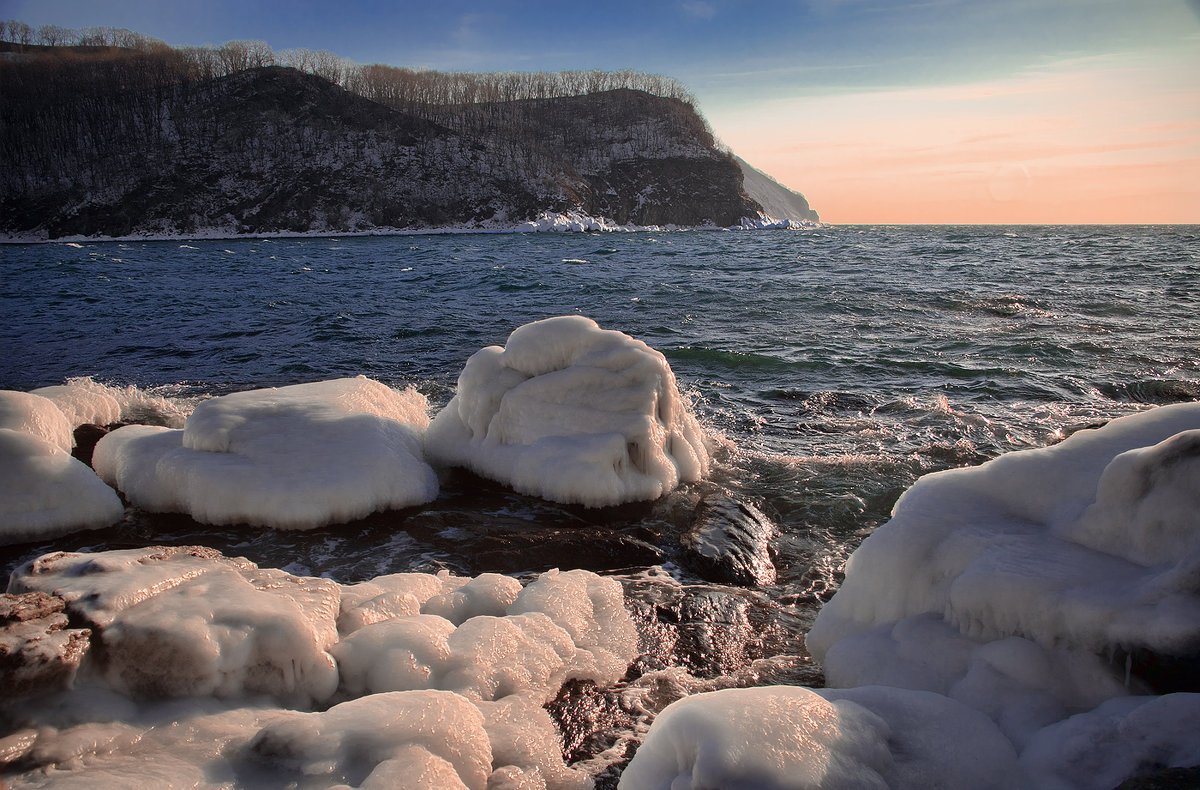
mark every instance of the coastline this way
{"type": "Point", "coordinates": [568, 222]}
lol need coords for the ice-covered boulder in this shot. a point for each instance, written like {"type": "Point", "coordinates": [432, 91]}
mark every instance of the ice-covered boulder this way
{"type": "Point", "coordinates": [187, 621]}
{"type": "Point", "coordinates": [83, 404]}
{"type": "Point", "coordinates": [562, 626]}
{"type": "Point", "coordinates": [1099, 749]}
{"type": "Point", "coordinates": [37, 416]}
{"type": "Point", "coordinates": [793, 738]}
{"type": "Point", "coordinates": [1082, 544]}
{"type": "Point", "coordinates": [431, 740]}
{"type": "Point", "coordinates": [294, 457]}
{"type": "Point", "coordinates": [1010, 586]}
{"type": "Point", "coordinates": [45, 492]}
{"type": "Point", "coordinates": [454, 598]}
{"type": "Point", "coordinates": [572, 413]}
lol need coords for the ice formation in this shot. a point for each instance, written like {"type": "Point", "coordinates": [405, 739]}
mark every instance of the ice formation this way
{"type": "Point", "coordinates": [1099, 749]}
{"type": "Point", "coordinates": [295, 457]}
{"type": "Point", "coordinates": [37, 416]}
{"type": "Point", "coordinates": [1011, 586]}
{"type": "Point", "coordinates": [1091, 544]}
{"type": "Point", "coordinates": [572, 413]}
{"type": "Point", "coordinates": [980, 624]}
{"type": "Point", "coordinates": [793, 738]}
{"type": "Point", "coordinates": [439, 680]}
{"type": "Point", "coordinates": [561, 626]}
{"type": "Point", "coordinates": [431, 739]}
{"type": "Point", "coordinates": [43, 490]}
{"type": "Point", "coordinates": [189, 622]}
{"type": "Point", "coordinates": [82, 404]}
{"type": "Point", "coordinates": [46, 492]}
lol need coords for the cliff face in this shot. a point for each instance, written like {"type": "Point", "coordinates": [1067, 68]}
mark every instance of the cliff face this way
{"type": "Point", "coordinates": [776, 200]}
{"type": "Point", "coordinates": [273, 149]}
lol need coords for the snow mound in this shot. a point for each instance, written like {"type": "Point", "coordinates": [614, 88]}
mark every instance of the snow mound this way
{"type": "Point", "coordinates": [1011, 586]}
{"type": "Point", "coordinates": [562, 626]}
{"type": "Point", "coordinates": [295, 457]}
{"type": "Point", "coordinates": [187, 621]}
{"type": "Point", "coordinates": [45, 492]}
{"type": "Point", "coordinates": [572, 413]}
{"type": "Point", "coordinates": [82, 404]}
{"type": "Point", "coordinates": [428, 739]}
{"type": "Point", "coordinates": [36, 416]}
{"type": "Point", "coordinates": [1099, 749]}
{"type": "Point", "coordinates": [1091, 544]}
{"type": "Point", "coordinates": [433, 702]}
{"type": "Point", "coordinates": [793, 738]}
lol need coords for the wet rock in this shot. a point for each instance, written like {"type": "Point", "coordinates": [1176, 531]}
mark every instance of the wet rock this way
{"type": "Point", "coordinates": [1162, 673]}
{"type": "Point", "coordinates": [86, 436]}
{"type": "Point", "coordinates": [1164, 779]}
{"type": "Point", "coordinates": [709, 630]}
{"type": "Point", "coordinates": [38, 652]}
{"type": "Point", "coordinates": [729, 543]}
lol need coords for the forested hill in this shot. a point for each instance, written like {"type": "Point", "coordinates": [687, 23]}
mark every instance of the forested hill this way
{"type": "Point", "coordinates": [112, 141]}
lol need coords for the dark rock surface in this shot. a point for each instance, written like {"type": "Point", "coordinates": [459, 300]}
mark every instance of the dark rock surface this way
{"type": "Point", "coordinates": [38, 652]}
{"type": "Point", "coordinates": [1163, 779]}
{"type": "Point", "coordinates": [729, 542]}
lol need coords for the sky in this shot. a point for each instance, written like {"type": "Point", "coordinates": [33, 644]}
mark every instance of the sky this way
{"type": "Point", "coordinates": [909, 111]}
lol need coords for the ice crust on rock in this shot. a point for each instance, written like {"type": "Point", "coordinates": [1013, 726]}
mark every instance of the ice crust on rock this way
{"type": "Point", "coordinates": [562, 626]}
{"type": "Point", "coordinates": [187, 621]}
{"type": "Point", "coordinates": [440, 680]}
{"type": "Point", "coordinates": [1090, 544]}
{"type": "Point", "coordinates": [32, 414]}
{"type": "Point", "coordinates": [45, 492]}
{"type": "Point", "coordinates": [83, 404]}
{"type": "Point", "coordinates": [84, 400]}
{"type": "Point", "coordinates": [1099, 749]}
{"type": "Point", "coordinates": [428, 739]}
{"type": "Point", "coordinates": [1010, 587]}
{"type": "Point", "coordinates": [793, 738]}
{"type": "Point", "coordinates": [572, 413]}
{"type": "Point", "coordinates": [295, 457]}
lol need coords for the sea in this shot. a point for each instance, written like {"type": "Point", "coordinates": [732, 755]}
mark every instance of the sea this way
{"type": "Point", "coordinates": [832, 367]}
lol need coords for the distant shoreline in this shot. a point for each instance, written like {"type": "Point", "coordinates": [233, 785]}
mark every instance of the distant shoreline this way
{"type": "Point", "coordinates": [569, 223]}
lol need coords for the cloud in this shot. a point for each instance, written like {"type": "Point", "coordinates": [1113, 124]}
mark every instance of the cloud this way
{"type": "Point", "coordinates": [701, 9]}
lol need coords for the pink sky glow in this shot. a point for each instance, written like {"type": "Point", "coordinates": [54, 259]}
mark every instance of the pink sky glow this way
{"type": "Point", "coordinates": [1106, 139]}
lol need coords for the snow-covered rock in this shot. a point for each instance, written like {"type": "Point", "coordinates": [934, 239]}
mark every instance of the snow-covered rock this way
{"type": "Point", "coordinates": [192, 652]}
{"type": "Point", "coordinates": [1011, 586]}
{"type": "Point", "coordinates": [793, 738]}
{"type": "Point", "coordinates": [1090, 544]}
{"type": "Point", "coordinates": [186, 621]}
{"type": "Point", "coordinates": [572, 413]}
{"type": "Point", "coordinates": [45, 492]}
{"type": "Point", "coordinates": [37, 416]}
{"type": "Point", "coordinates": [294, 457]}
{"type": "Point", "coordinates": [561, 626]}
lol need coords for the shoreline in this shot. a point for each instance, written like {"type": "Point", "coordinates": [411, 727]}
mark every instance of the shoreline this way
{"type": "Point", "coordinates": [568, 222]}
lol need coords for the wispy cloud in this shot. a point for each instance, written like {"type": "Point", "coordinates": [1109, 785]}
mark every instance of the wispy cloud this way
{"type": "Point", "coordinates": [701, 9]}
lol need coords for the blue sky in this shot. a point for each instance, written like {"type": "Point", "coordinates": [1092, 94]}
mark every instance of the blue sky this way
{"type": "Point", "coordinates": [745, 61]}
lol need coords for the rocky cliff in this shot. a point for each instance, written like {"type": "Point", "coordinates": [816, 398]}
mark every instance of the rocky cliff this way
{"type": "Point", "coordinates": [88, 152]}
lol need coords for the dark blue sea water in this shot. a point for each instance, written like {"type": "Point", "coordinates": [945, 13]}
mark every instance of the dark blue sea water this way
{"type": "Point", "coordinates": [836, 364]}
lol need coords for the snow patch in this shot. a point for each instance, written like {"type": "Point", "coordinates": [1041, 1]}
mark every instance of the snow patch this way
{"type": "Point", "coordinates": [572, 413]}
{"type": "Point", "coordinates": [295, 457]}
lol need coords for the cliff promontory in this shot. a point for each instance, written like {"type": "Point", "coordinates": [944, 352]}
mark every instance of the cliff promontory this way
{"type": "Point", "coordinates": [130, 143]}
